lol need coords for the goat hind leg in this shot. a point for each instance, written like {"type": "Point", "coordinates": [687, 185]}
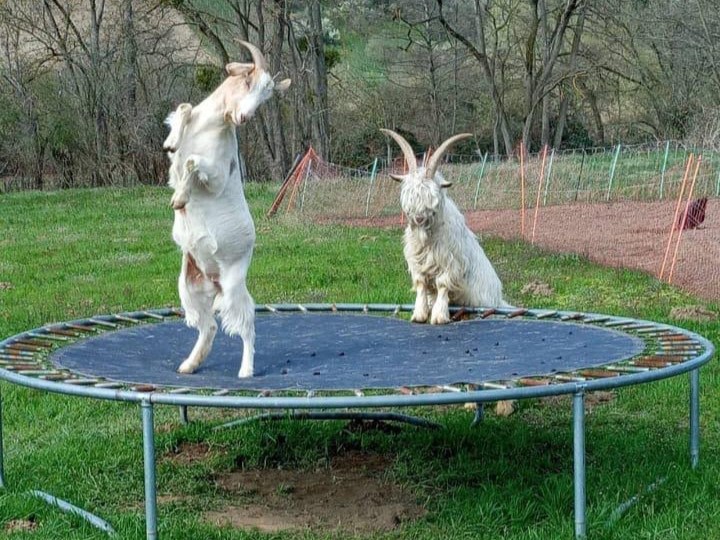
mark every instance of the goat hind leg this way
{"type": "Point", "coordinates": [237, 312]}
{"type": "Point", "coordinates": [197, 293]}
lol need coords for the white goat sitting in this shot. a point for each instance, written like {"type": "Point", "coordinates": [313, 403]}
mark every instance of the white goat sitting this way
{"type": "Point", "coordinates": [445, 260]}
{"type": "Point", "coordinates": [213, 226]}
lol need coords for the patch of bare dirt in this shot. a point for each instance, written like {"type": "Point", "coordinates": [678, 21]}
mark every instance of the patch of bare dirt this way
{"type": "Point", "coordinates": [693, 313]}
{"type": "Point", "coordinates": [350, 496]}
{"type": "Point", "coordinates": [20, 525]}
{"type": "Point", "coordinates": [5, 286]}
{"type": "Point", "coordinates": [187, 453]}
{"type": "Point", "coordinates": [538, 288]}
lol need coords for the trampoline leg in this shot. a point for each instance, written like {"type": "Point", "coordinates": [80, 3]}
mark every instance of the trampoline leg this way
{"type": "Point", "coordinates": [2, 457]}
{"type": "Point", "coordinates": [149, 461]}
{"type": "Point", "coordinates": [694, 417]}
{"type": "Point", "coordinates": [579, 462]}
{"type": "Point", "coordinates": [184, 414]}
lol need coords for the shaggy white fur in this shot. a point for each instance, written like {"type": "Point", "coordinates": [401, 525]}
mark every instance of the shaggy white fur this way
{"type": "Point", "coordinates": [213, 226]}
{"type": "Point", "coordinates": [447, 264]}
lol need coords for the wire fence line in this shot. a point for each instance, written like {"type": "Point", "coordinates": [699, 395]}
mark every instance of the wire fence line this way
{"type": "Point", "coordinates": [482, 182]}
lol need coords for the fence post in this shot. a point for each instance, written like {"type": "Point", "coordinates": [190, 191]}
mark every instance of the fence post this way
{"type": "Point", "coordinates": [477, 188]}
{"type": "Point", "coordinates": [305, 182]}
{"type": "Point", "coordinates": [549, 174]}
{"type": "Point", "coordinates": [612, 171]}
{"type": "Point", "coordinates": [372, 180]}
{"type": "Point", "coordinates": [664, 168]}
{"type": "Point", "coordinates": [579, 178]}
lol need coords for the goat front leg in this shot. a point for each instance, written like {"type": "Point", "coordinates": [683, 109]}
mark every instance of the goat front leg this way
{"type": "Point", "coordinates": [199, 170]}
{"type": "Point", "coordinates": [421, 311]}
{"type": "Point", "coordinates": [441, 311]}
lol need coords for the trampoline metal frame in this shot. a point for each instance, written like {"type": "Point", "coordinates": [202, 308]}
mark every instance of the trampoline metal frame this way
{"type": "Point", "coordinates": [693, 349]}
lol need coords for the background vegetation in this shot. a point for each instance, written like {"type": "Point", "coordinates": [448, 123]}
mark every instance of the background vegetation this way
{"type": "Point", "coordinates": [86, 84]}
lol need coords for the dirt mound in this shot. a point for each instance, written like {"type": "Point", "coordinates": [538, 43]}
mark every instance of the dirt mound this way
{"type": "Point", "coordinates": [350, 496]}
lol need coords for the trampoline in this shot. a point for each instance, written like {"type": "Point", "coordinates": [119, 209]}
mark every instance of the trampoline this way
{"type": "Point", "coordinates": [339, 360]}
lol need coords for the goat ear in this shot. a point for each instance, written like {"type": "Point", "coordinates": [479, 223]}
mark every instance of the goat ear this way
{"type": "Point", "coordinates": [238, 68]}
{"type": "Point", "coordinates": [283, 85]}
{"type": "Point", "coordinates": [397, 177]}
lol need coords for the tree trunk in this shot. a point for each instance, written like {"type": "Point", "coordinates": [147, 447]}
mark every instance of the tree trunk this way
{"type": "Point", "coordinates": [321, 120]}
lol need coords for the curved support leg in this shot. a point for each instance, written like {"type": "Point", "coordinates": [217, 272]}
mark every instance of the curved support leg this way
{"type": "Point", "coordinates": [149, 461]}
{"type": "Point", "coordinates": [579, 463]}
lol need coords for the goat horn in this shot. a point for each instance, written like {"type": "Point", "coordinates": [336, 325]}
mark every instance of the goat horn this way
{"type": "Point", "coordinates": [405, 147]}
{"type": "Point", "coordinates": [257, 56]}
{"type": "Point", "coordinates": [434, 160]}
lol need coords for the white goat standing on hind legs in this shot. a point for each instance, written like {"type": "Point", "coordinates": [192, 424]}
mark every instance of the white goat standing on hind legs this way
{"type": "Point", "coordinates": [213, 226]}
{"type": "Point", "coordinates": [445, 260]}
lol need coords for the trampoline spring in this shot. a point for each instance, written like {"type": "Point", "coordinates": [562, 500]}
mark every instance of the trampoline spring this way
{"type": "Point", "coordinates": [10, 354]}
{"type": "Point", "coordinates": [495, 386]}
{"type": "Point", "coordinates": [63, 332]}
{"type": "Point", "coordinates": [144, 388]}
{"type": "Point", "coordinates": [221, 392]}
{"type": "Point", "coordinates": [35, 372]}
{"type": "Point", "coordinates": [404, 390]}
{"type": "Point", "coordinates": [302, 308]}
{"type": "Point", "coordinates": [652, 363]}
{"type": "Point", "coordinates": [183, 390]}
{"type": "Point", "coordinates": [596, 320]}
{"type": "Point", "coordinates": [21, 367]}
{"type": "Point", "coordinates": [101, 322]}
{"type": "Point", "coordinates": [486, 313]}
{"type": "Point", "coordinates": [37, 344]}
{"type": "Point", "coordinates": [359, 393]}
{"type": "Point", "coordinates": [82, 382]}
{"type": "Point", "coordinates": [124, 318]}
{"type": "Point", "coordinates": [81, 328]}
{"type": "Point", "coordinates": [308, 394]}
{"type": "Point", "coordinates": [534, 382]}
{"type": "Point", "coordinates": [55, 376]}
{"type": "Point", "coordinates": [110, 385]}
{"type": "Point", "coordinates": [448, 388]}
{"type": "Point", "coordinates": [598, 373]}
{"type": "Point", "coordinates": [545, 314]}
{"type": "Point", "coordinates": [619, 322]}
{"type": "Point", "coordinates": [271, 309]}
{"type": "Point", "coordinates": [572, 317]}
{"type": "Point", "coordinates": [173, 311]}
{"type": "Point", "coordinates": [46, 336]}
{"type": "Point", "coordinates": [517, 313]}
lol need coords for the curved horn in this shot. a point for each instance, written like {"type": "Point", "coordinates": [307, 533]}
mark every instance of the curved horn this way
{"type": "Point", "coordinates": [406, 148]}
{"type": "Point", "coordinates": [434, 160]}
{"type": "Point", "coordinates": [257, 56]}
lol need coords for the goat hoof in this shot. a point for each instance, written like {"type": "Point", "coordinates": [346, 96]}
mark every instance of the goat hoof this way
{"type": "Point", "coordinates": [440, 320]}
{"type": "Point", "coordinates": [186, 368]}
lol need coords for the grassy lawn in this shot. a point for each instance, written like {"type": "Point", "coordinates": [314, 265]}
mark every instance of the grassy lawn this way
{"type": "Point", "coordinates": [73, 254]}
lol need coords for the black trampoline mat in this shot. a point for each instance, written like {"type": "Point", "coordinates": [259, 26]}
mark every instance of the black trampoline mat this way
{"type": "Point", "coordinates": [327, 351]}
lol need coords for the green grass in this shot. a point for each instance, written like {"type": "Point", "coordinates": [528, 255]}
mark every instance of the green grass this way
{"type": "Point", "coordinates": [77, 253]}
